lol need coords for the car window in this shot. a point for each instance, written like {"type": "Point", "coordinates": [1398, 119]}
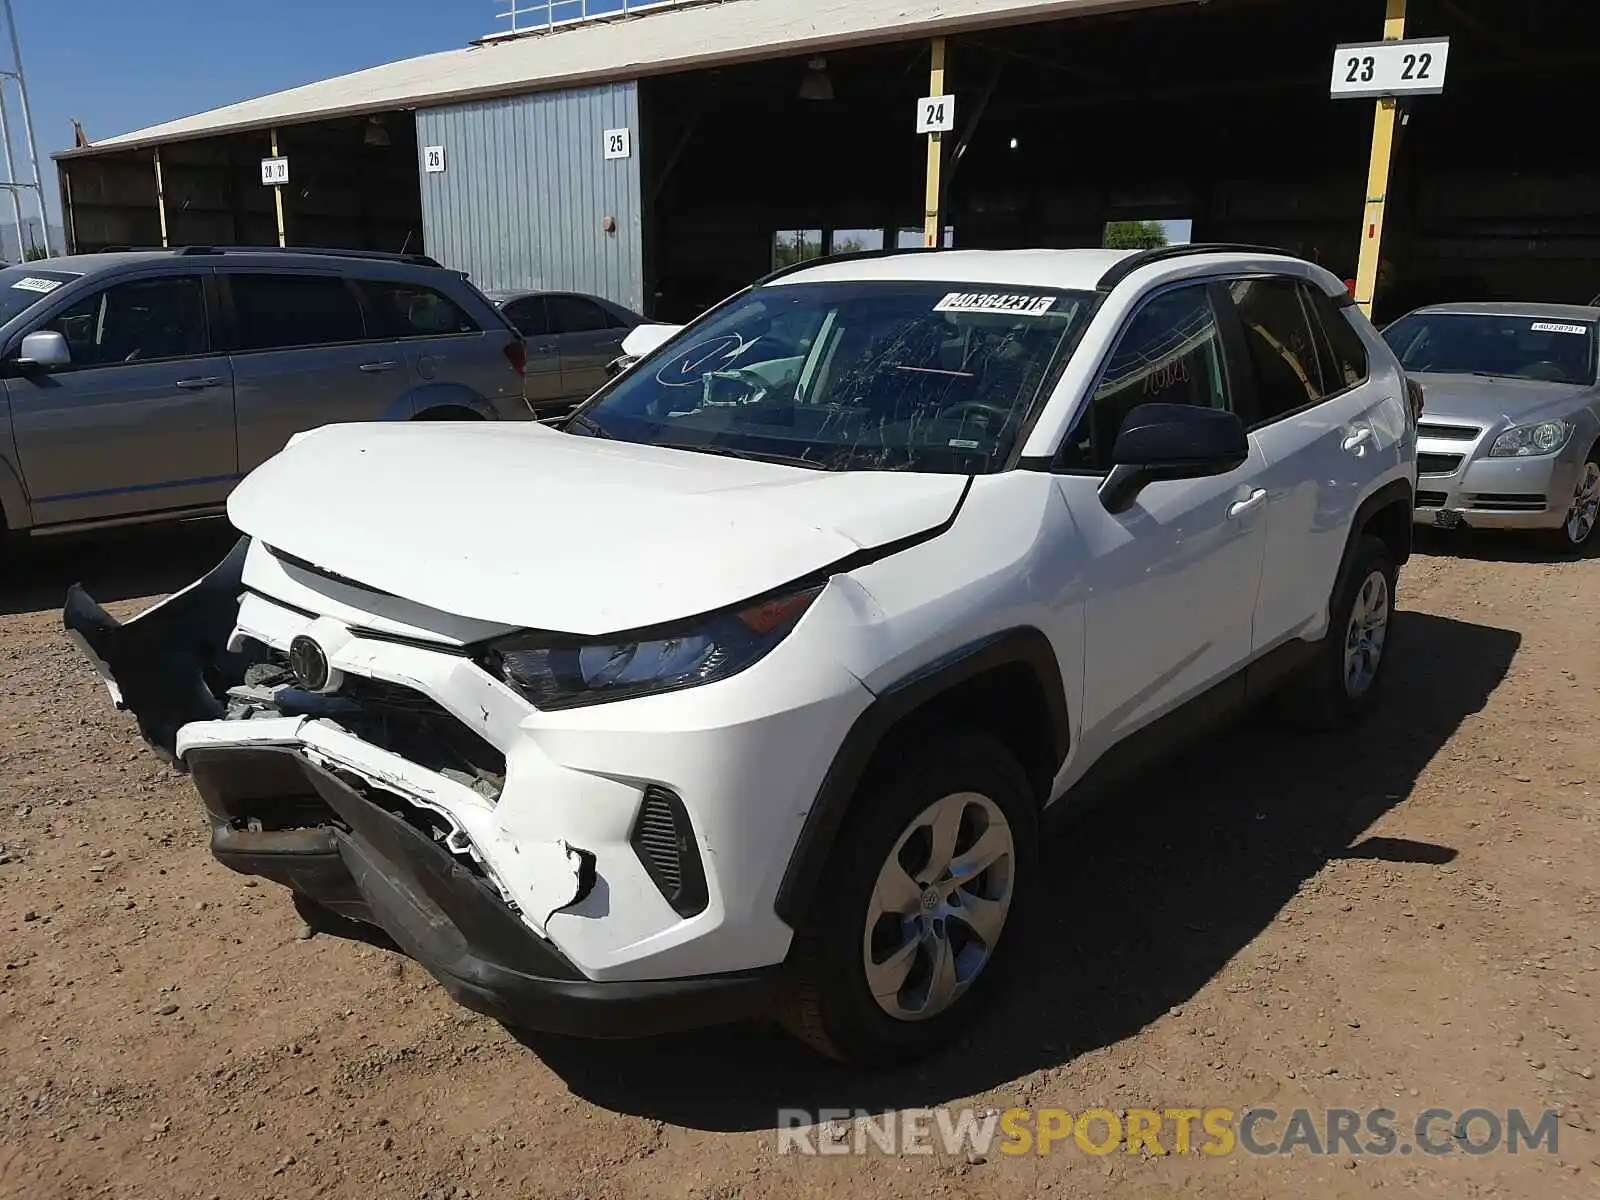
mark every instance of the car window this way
{"type": "Point", "coordinates": [144, 320]}
{"type": "Point", "coordinates": [574, 314]}
{"type": "Point", "coordinates": [1347, 364]}
{"type": "Point", "coordinates": [1170, 353]}
{"type": "Point", "coordinates": [410, 310]}
{"type": "Point", "coordinates": [21, 288]}
{"type": "Point", "coordinates": [1548, 349]}
{"type": "Point", "coordinates": [280, 311]}
{"type": "Point", "coordinates": [1278, 339]}
{"type": "Point", "coordinates": [528, 316]}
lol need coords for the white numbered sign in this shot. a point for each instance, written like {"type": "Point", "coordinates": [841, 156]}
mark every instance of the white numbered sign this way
{"type": "Point", "coordinates": [274, 172]}
{"type": "Point", "coordinates": [619, 143]}
{"type": "Point", "coordinates": [936, 114]}
{"type": "Point", "coordinates": [433, 160]}
{"type": "Point", "coordinates": [1377, 69]}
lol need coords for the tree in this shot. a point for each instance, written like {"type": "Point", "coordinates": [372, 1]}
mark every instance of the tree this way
{"type": "Point", "coordinates": [1135, 235]}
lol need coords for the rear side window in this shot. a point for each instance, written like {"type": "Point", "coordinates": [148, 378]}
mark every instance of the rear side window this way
{"type": "Point", "coordinates": [574, 314]}
{"type": "Point", "coordinates": [277, 312]}
{"type": "Point", "coordinates": [1344, 355]}
{"type": "Point", "coordinates": [1282, 349]}
{"type": "Point", "coordinates": [409, 310]}
{"type": "Point", "coordinates": [145, 320]}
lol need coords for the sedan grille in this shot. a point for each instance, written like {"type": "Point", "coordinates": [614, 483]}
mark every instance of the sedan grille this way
{"type": "Point", "coordinates": [1438, 464]}
{"type": "Point", "coordinates": [1449, 433]}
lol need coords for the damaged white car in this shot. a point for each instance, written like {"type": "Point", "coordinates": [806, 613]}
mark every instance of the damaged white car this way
{"type": "Point", "coordinates": [746, 693]}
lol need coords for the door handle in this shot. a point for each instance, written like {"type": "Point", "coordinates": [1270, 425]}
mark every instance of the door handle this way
{"type": "Point", "coordinates": [199, 385]}
{"type": "Point", "coordinates": [1245, 507]}
{"type": "Point", "coordinates": [1358, 440]}
{"type": "Point", "coordinates": [379, 368]}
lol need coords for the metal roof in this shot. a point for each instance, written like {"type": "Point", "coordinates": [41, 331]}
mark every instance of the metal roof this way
{"type": "Point", "coordinates": [608, 51]}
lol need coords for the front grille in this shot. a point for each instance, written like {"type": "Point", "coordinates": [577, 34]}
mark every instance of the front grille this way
{"type": "Point", "coordinates": [1448, 433]}
{"type": "Point", "coordinates": [1431, 499]}
{"type": "Point", "coordinates": [664, 840]}
{"type": "Point", "coordinates": [1438, 464]}
{"type": "Point", "coordinates": [1509, 502]}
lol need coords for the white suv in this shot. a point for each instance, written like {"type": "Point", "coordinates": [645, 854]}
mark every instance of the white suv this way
{"type": "Point", "coordinates": [746, 694]}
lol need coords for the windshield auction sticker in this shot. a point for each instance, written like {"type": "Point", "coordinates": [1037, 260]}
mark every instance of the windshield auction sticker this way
{"type": "Point", "coordinates": [1553, 327]}
{"type": "Point", "coordinates": [31, 284]}
{"type": "Point", "coordinates": [983, 302]}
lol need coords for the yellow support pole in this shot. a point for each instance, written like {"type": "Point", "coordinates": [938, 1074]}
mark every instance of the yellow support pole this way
{"type": "Point", "coordinates": [277, 197]}
{"type": "Point", "coordinates": [932, 225]}
{"type": "Point", "coordinates": [161, 199]}
{"type": "Point", "coordinates": [1378, 173]}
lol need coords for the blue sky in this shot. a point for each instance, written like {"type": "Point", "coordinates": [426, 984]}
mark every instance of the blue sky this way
{"type": "Point", "coordinates": [119, 65]}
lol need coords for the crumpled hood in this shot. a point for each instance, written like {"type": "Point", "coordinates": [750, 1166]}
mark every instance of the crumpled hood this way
{"type": "Point", "coordinates": [1490, 402]}
{"type": "Point", "coordinates": [521, 525]}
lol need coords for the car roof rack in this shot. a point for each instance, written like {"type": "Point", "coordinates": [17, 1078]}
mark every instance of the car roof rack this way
{"type": "Point", "coordinates": [1147, 258]}
{"type": "Point", "coordinates": [416, 260]}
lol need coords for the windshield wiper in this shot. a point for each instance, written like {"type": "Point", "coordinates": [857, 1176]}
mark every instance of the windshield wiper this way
{"type": "Point", "coordinates": [593, 429]}
{"type": "Point", "coordinates": [752, 456]}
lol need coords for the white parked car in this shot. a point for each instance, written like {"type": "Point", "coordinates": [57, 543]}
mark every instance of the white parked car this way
{"type": "Point", "coordinates": [747, 693]}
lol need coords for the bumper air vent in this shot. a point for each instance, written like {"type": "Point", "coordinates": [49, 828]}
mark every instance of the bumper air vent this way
{"type": "Point", "coordinates": [1431, 499]}
{"type": "Point", "coordinates": [1512, 502]}
{"type": "Point", "coordinates": [1438, 464]}
{"type": "Point", "coordinates": [664, 841]}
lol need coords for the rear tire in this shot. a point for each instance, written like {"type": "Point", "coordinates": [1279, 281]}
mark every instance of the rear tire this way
{"type": "Point", "coordinates": [928, 875]}
{"type": "Point", "coordinates": [1344, 679]}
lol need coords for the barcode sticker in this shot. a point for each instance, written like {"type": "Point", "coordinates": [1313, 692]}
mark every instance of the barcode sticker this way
{"type": "Point", "coordinates": [980, 302]}
{"type": "Point", "coordinates": [43, 286]}
{"type": "Point", "coordinates": [1554, 327]}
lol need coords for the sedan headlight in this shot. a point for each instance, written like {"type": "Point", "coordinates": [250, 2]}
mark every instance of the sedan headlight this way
{"type": "Point", "coordinates": [1527, 441]}
{"type": "Point", "coordinates": [554, 671]}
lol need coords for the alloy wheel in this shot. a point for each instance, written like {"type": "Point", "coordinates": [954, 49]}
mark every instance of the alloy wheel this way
{"type": "Point", "coordinates": [1585, 512]}
{"type": "Point", "coordinates": [1365, 637]}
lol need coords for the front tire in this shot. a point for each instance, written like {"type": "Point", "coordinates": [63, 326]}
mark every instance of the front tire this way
{"type": "Point", "coordinates": [1577, 532]}
{"type": "Point", "coordinates": [926, 876]}
{"type": "Point", "coordinates": [1343, 680]}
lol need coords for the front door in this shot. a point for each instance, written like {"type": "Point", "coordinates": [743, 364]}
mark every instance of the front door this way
{"type": "Point", "coordinates": [141, 421]}
{"type": "Point", "coordinates": [307, 353]}
{"type": "Point", "coordinates": [1171, 582]}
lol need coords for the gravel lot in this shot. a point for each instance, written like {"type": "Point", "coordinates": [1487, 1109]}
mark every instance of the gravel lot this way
{"type": "Point", "coordinates": [1409, 918]}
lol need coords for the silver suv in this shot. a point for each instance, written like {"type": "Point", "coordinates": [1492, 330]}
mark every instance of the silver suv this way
{"type": "Point", "coordinates": [142, 386]}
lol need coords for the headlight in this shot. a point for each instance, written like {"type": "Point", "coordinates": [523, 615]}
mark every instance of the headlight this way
{"type": "Point", "coordinates": [554, 671]}
{"type": "Point", "coordinates": [1526, 441]}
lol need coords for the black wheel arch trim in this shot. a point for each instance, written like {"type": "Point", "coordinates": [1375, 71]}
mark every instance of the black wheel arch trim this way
{"type": "Point", "coordinates": [1025, 646]}
{"type": "Point", "coordinates": [1397, 491]}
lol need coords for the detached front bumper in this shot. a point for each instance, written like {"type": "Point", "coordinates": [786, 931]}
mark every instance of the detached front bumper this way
{"type": "Point", "coordinates": [1493, 493]}
{"type": "Point", "coordinates": [370, 865]}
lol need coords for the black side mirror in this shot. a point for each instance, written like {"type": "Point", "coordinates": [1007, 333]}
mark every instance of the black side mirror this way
{"type": "Point", "coordinates": [1171, 441]}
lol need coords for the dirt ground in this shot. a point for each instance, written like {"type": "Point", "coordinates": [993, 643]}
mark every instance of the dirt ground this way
{"type": "Point", "coordinates": [1407, 918]}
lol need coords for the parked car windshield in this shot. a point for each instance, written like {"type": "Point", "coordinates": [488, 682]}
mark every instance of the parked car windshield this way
{"type": "Point", "coordinates": [23, 287]}
{"type": "Point", "coordinates": [914, 376]}
{"type": "Point", "coordinates": [1552, 349]}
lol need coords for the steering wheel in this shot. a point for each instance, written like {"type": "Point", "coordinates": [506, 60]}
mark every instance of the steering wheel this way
{"type": "Point", "coordinates": [1546, 371]}
{"type": "Point", "coordinates": [959, 412]}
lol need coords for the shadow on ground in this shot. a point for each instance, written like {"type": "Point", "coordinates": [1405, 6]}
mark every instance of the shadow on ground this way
{"type": "Point", "coordinates": [1497, 545]}
{"type": "Point", "coordinates": [114, 565]}
{"type": "Point", "coordinates": [1145, 901]}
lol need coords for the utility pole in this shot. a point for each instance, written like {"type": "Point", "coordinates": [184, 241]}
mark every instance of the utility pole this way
{"type": "Point", "coordinates": [1379, 172]}
{"type": "Point", "coordinates": [27, 180]}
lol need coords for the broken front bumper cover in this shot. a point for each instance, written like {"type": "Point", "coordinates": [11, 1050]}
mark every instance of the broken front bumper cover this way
{"type": "Point", "coordinates": [318, 819]}
{"type": "Point", "coordinates": [375, 867]}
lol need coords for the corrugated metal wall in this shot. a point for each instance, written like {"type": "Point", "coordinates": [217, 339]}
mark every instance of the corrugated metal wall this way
{"type": "Point", "coordinates": [526, 190]}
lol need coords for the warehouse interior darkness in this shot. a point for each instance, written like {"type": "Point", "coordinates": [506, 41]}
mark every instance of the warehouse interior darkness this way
{"type": "Point", "coordinates": [1215, 115]}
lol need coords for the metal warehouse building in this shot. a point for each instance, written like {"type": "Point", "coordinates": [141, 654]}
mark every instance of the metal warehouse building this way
{"type": "Point", "coordinates": [667, 157]}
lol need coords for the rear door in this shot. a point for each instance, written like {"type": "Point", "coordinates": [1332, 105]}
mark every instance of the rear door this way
{"type": "Point", "coordinates": [542, 381]}
{"type": "Point", "coordinates": [142, 419]}
{"type": "Point", "coordinates": [589, 339]}
{"type": "Point", "coordinates": [444, 344]}
{"type": "Point", "coordinates": [306, 353]}
{"type": "Point", "coordinates": [1323, 420]}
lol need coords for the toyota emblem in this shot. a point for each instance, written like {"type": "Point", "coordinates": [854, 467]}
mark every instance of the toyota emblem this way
{"type": "Point", "coordinates": [309, 664]}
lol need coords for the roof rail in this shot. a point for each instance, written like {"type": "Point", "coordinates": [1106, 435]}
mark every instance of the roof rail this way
{"type": "Point", "coordinates": [1146, 258]}
{"type": "Point", "coordinates": [416, 260]}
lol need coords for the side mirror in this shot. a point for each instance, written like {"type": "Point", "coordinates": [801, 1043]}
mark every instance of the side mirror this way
{"type": "Point", "coordinates": [647, 339]}
{"type": "Point", "coordinates": [44, 350]}
{"type": "Point", "coordinates": [1171, 441]}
